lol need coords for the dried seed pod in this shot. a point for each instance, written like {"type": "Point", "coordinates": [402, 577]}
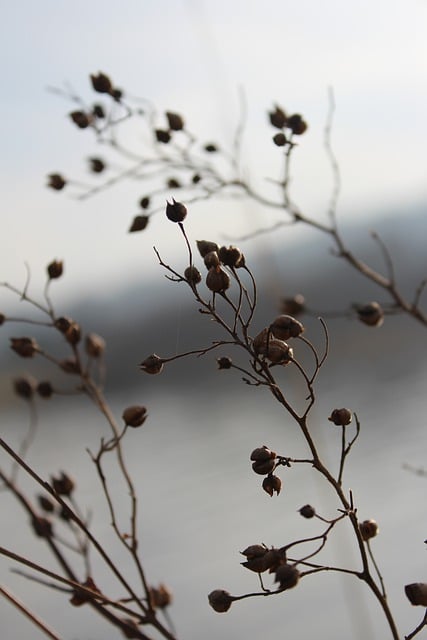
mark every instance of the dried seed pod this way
{"type": "Point", "coordinates": [307, 511]}
{"type": "Point", "coordinates": [371, 314]}
{"type": "Point", "coordinates": [417, 593]}
{"type": "Point", "coordinates": [135, 415]}
{"type": "Point", "coordinates": [196, 178]}
{"type": "Point", "coordinates": [287, 575]}
{"type": "Point", "coordinates": [131, 628]}
{"type": "Point", "coordinates": [63, 324]}
{"type": "Point", "coordinates": [293, 306]}
{"type": "Point", "coordinates": [73, 333]}
{"type": "Point", "coordinates": [175, 121]}
{"type": "Point", "coordinates": [117, 94]}
{"type": "Point", "coordinates": [261, 454]}
{"type": "Point", "coordinates": [368, 529]}
{"type": "Point", "coordinates": [80, 597]}
{"type": "Point", "coordinates": [217, 280]}
{"type": "Point", "coordinates": [211, 147]}
{"type": "Point", "coordinates": [176, 211]}
{"type": "Point", "coordinates": [160, 597]}
{"type": "Point", "coordinates": [24, 347]}
{"type": "Point", "coordinates": [272, 484]}
{"type": "Point", "coordinates": [254, 551]}
{"type": "Point", "coordinates": [44, 389]}
{"type": "Point", "coordinates": [96, 165]}
{"type": "Point", "coordinates": [63, 484]}
{"type": "Point", "coordinates": [231, 257]}
{"type": "Point", "coordinates": [280, 139]}
{"type": "Point", "coordinates": [162, 135]}
{"type": "Point", "coordinates": [55, 269]}
{"type": "Point", "coordinates": [144, 203]}
{"type": "Point", "coordinates": [193, 275]}
{"type": "Point", "coordinates": [204, 247]}
{"type": "Point", "coordinates": [257, 564]}
{"type": "Point", "coordinates": [224, 362]}
{"type": "Point", "coordinates": [42, 527]}
{"type": "Point", "coordinates": [94, 345]}
{"type": "Point", "coordinates": [173, 183]}
{"type": "Point", "coordinates": [277, 351]}
{"type": "Point", "coordinates": [2, 319]}
{"type": "Point", "coordinates": [69, 365]}
{"type": "Point", "coordinates": [340, 417]}
{"type": "Point", "coordinates": [98, 111]}
{"type": "Point", "coordinates": [56, 181]}
{"type": "Point", "coordinates": [24, 387]}
{"type": "Point", "coordinates": [46, 503]}
{"type": "Point", "coordinates": [296, 124]}
{"type": "Point", "coordinates": [264, 467]}
{"type": "Point", "coordinates": [101, 83]}
{"type": "Point", "coordinates": [285, 327]}
{"type": "Point", "coordinates": [81, 119]}
{"type": "Point", "coordinates": [153, 364]}
{"type": "Point", "coordinates": [220, 600]}
{"type": "Point", "coordinates": [139, 223]}
{"type": "Point", "coordinates": [211, 259]}
{"type": "Point", "coordinates": [278, 118]}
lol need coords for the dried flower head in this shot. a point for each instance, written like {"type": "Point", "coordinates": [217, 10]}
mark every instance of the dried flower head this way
{"type": "Point", "coordinates": [56, 181]}
{"type": "Point", "coordinates": [96, 165]}
{"type": "Point", "coordinates": [24, 347]}
{"type": "Point", "coordinates": [46, 503]}
{"type": "Point", "coordinates": [144, 203]}
{"type": "Point", "coordinates": [211, 259]}
{"type": "Point", "coordinates": [205, 247]}
{"type": "Point", "coordinates": [293, 306]}
{"type": "Point", "coordinates": [134, 416]}
{"type": "Point", "coordinates": [101, 83]}
{"type": "Point", "coordinates": [340, 417]}
{"type": "Point", "coordinates": [371, 314]}
{"type": "Point", "coordinates": [63, 484]}
{"type": "Point", "coordinates": [42, 527]}
{"type": "Point", "coordinates": [160, 597]}
{"type": "Point", "coordinates": [285, 327]}
{"type": "Point", "coordinates": [81, 119]}
{"type": "Point", "coordinates": [211, 147]}
{"type": "Point", "coordinates": [220, 600]}
{"type": "Point", "coordinates": [139, 223]}
{"type": "Point", "coordinates": [73, 333]}
{"type": "Point", "coordinates": [176, 211]}
{"type": "Point", "coordinates": [44, 389]}
{"type": "Point", "coordinates": [175, 121]}
{"type": "Point", "coordinates": [224, 362]}
{"type": "Point", "coordinates": [98, 111]}
{"type": "Point", "coordinates": [307, 511]}
{"type": "Point", "coordinates": [368, 529]}
{"type": "Point", "coordinates": [94, 345]}
{"type": "Point", "coordinates": [153, 364]}
{"type": "Point", "coordinates": [287, 575]}
{"type": "Point", "coordinates": [217, 280]}
{"type": "Point", "coordinates": [278, 118]}
{"type": "Point", "coordinates": [63, 324]}
{"type": "Point", "coordinates": [69, 365]}
{"type": "Point", "coordinates": [280, 139]}
{"type": "Point", "coordinates": [192, 275]}
{"type": "Point", "coordinates": [417, 593]}
{"type": "Point", "coordinates": [272, 484]}
{"type": "Point", "coordinates": [24, 387]}
{"type": "Point", "coordinates": [55, 269]}
{"type": "Point", "coordinates": [162, 135]}
{"type": "Point", "coordinates": [231, 257]}
{"type": "Point", "coordinates": [263, 460]}
{"type": "Point", "coordinates": [80, 597]}
{"type": "Point", "coordinates": [297, 124]}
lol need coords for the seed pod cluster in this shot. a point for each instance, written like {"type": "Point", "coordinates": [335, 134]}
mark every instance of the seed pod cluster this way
{"type": "Point", "coordinates": [24, 347]}
{"type": "Point", "coordinates": [277, 351]}
{"type": "Point", "coordinates": [295, 123]}
{"type": "Point", "coordinates": [260, 559]}
{"type": "Point", "coordinates": [287, 575]}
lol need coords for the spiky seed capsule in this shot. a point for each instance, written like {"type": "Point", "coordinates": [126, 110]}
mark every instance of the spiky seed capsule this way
{"type": "Point", "coordinates": [134, 416]}
{"type": "Point", "coordinates": [56, 181]}
{"type": "Point", "coordinates": [176, 211]}
{"type": "Point", "coordinates": [231, 257]}
{"type": "Point", "coordinates": [44, 389]}
{"type": "Point", "coordinates": [204, 247]}
{"type": "Point", "coordinates": [81, 119]}
{"type": "Point", "coordinates": [162, 136]}
{"type": "Point", "coordinates": [94, 345]}
{"type": "Point", "coordinates": [96, 165]}
{"type": "Point", "coordinates": [175, 121]}
{"type": "Point", "coordinates": [139, 223]}
{"type": "Point", "coordinates": [24, 387]}
{"type": "Point", "coordinates": [220, 600]}
{"type": "Point", "coordinates": [55, 269]}
{"type": "Point", "coordinates": [340, 417]}
{"type": "Point", "coordinates": [193, 275]}
{"type": "Point", "coordinates": [278, 118]}
{"type": "Point", "coordinates": [368, 529]}
{"type": "Point", "coordinates": [224, 362]}
{"type": "Point", "coordinates": [101, 83]}
{"type": "Point", "coordinates": [217, 280]}
{"type": "Point", "coordinates": [272, 484]}
{"type": "Point", "coordinates": [211, 259]}
{"type": "Point", "coordinates": [287, 575]}
{"type": "Point", "coordinates": [63, 484]}
{"type": "Point", "coordinates": [371, 314]}
{"type": "Point", "coordinates": [153, 364]}
{"type": "Point", "coordinates": [279, 139]}
{"type": "Point", "coordinates": [297, 124]}
{"type": "Point", "coordinates": [285, 327]}
{"type": "Point", "coordinates": [417, 593]}
{"type": "Point", "coordinates": [24, 347]}
{"type": "Point", "coordinates": [307, 511]}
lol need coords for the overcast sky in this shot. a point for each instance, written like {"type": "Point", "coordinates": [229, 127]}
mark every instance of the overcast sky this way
{"type": "Point", "coordinates": [192, 56]}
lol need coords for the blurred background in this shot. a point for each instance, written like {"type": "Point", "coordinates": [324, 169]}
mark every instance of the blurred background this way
{"type": "Point", "coordinates": [201, 502]}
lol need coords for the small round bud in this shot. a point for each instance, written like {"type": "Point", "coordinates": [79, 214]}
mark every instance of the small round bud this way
{"type": "Point", "coordinates": [296, 124]}
{"type": "Point", "coordinates": [73, 333]}
{"type": "Point", "coordinates": [272, 484]}
{"type": "Point", "coordinates": [46, 503]}
{"type": "Point", "coordinates": [175, 121]}
{"type": "Point", "coordinates": [96, 165]}
{"type": "Point", "coordinates": [69, 365]}
{"type": "Point", "coordinates": [162, 136]}
{"type": "Point", "coordinates": [55, 269]}
{"type": "Point", "coordinates": [42, 527]}
{"type": "Point", "coordinates": [224, 362]}
{"type": "Point", "coordinates": [220, 600]}
{"type": "Point", "coordinates": [24, 347]}
{"type": "Point", "coordinates": [285, 327]}
{"type": "Point", "coordinates": [144, 203]}
{"type": "Point", "coordinates": [278, 118]}
{"type": "Point", "coordinates": [131, 629]}
{"type": "Point", "coordinates": [371, 314]}
{"type": "Point", "coordinates": [56, 181]}
{"type": "Point", "coordinates": [307, 511]}
{"type": "Point", "coordinates": [139, 223]}
{"type": "Point", "coordinates": [279, 139]}
{"type": "Point", "coordinates": [263, 460]}
{"type": "Point", "coordinates": [94, 345]}
{"type": "Point", "coordinates": [231, 257]}
{"type": "Point", "coordinates": [211, 147]}
{"type": "Point", "coordinates": [44, 389]}
{"type": "Point", "coordinates": [173, 183]}
{"type": "Point", "coordinates": [63, 484]}
{"type": "Point", "coordinates": [160, 597]}
{"type": "Point", "coordinates": [287, 575]}
{"type": "Point", "coordinates": [101, 83]}
{"type": "Point", "coordinates": [196, 178]}
{"type": "Point", "coordinates": [63, 324]}
{"type": "Point", "coordinates": [340, 417]}
{"type": "Point", "coordinates": [368, 529]}
{"type": "Point", "coordinates": [80, 597]}
{"type": "Point", "coordinates": [153, 364]}
{"type": "Point", "coordinates": [277, 351]}
{"type": "Point", "coordinates": [134, 416]}
{"type": "Point", "coordinates": [417, 593]}
{"type": "Point", "coordinates": [176, 211]}
{"type": "Point", "coordinates": [211, 259]}
{"type": "Point", "coordinates": [217, 280]}
{"type": "Point", "coordinates": [117, 94]}
{"type": "Point", "coordinates": [24, 387]}
{"type": "Point", "coordinates": [81, 119]}
{"type": "Point", "coordinates": [205, 247]}
{"type": "Point", "coordinates": [192, 275]}
{"type": "Point", "coordinates": [98, 111]}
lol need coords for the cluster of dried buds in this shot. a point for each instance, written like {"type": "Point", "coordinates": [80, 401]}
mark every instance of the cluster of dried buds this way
{"type": "Point", "coordinates": [271, 341]}
{"type": "Point", "coordinates": [63, 485]}
{"type": "Point", "coordinates": [260, 559]}
{"type": "Point", "coordinates": [292, 125]}
{"type": "Point", "coordinates": [264, 462]}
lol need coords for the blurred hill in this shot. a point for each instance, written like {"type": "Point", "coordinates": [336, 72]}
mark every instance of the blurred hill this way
{"type": "Point", "coordinates": [160, 316]}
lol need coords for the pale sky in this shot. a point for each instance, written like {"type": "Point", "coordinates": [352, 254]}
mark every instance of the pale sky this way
{"type": "Point", "coordinates": [192, 56]}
